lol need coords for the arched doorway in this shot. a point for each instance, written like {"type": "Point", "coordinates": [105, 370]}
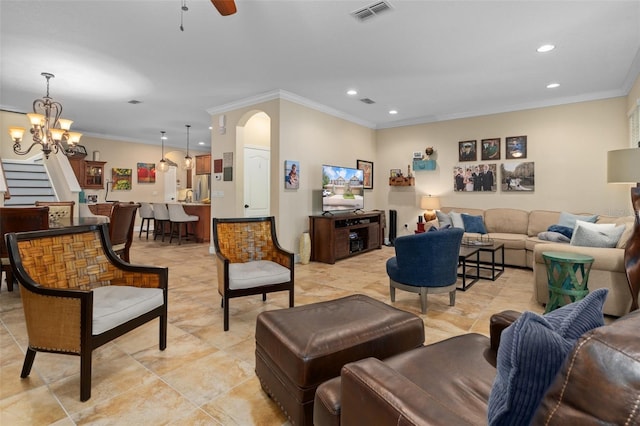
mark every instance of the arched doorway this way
{"type": "Point", "coordinates": [254, 141]}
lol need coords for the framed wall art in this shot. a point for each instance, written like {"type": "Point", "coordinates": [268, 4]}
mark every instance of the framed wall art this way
{"type": "Point", "coordinates": [467, 151]}
{"type": "Point", "coordinates": [477, 177]}
{"type": "Point", "coordinates": [146, 172]}
{"type": "Point", "coordinates": [291, 174]}
{"type": "Point", "coordinates": [516, 147]}
{"type": "Point", "coordinates": [367, 168]}
{"type": "Point", "coordinates": [121, 179]}
{"type": "Point", "coordinates": [490, 149]}
{"type": "Point", "coordinates": [518, 177]}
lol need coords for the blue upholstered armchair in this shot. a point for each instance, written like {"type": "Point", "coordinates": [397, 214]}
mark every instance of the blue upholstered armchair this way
{"type": "Point", "coordinates": [426, 263]}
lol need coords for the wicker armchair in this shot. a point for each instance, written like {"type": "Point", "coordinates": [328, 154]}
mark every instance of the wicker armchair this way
{"type": "Point", "coordinates": [250, 260]}
{"type": "Point", "coordinates": [78, 295]}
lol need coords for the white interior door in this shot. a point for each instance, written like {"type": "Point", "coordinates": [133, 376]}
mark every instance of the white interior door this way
{"type": "Point", "coordinates": [170, 191]}
{"type": "Point", "coordinates": [257, 163]}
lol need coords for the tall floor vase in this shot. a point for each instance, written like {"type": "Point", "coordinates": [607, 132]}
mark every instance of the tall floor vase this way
{"type": "Point", "coordinates": [632, 251]}
{"type": "Point", "coordinates": [305, 248]}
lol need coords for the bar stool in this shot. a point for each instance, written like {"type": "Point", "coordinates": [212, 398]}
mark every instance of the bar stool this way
{"type": "Point", "coordinates": [146, 214]}
{"type": "Point", "coordinates": [178, 216]}
{"type": "Point", "coordinates": [161, 217]}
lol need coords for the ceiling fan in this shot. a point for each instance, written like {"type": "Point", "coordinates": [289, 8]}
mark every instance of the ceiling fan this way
{"type": "Point", "coordinates": [225, 7]}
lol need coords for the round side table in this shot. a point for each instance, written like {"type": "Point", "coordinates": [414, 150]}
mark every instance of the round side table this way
{"type": "Point", "coordinates": [567, 275]}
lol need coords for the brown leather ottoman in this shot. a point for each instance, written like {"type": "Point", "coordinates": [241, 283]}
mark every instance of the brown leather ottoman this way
{"type": "Point", "coordinates": [299, 348]}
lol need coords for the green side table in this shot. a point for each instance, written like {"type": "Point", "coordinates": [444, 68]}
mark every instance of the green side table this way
{"type": "Point", "coordinates": [567, 274]}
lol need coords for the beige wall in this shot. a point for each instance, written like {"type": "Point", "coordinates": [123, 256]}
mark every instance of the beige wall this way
{"type": "Point", "coordinates": [567, 143]}
{"type": "Point", "coordinates": [301, 134]}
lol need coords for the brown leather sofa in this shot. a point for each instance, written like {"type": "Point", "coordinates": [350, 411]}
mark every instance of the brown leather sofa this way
{"type": "Point", "coordinates": [449, 382]}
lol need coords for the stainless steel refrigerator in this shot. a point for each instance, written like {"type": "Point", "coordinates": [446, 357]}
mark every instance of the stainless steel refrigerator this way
{"type": "Point", "coordinates": [201, 187]}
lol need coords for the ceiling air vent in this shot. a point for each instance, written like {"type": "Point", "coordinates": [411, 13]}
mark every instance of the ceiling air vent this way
{"type": "Point", "coordinates": [371, 10]}
{"type": "Point", "coordinates": [134, 102]}
{"type": "Point", "coordinates": [367, 101]}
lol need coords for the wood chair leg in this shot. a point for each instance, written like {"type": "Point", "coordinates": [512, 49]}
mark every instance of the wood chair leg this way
{"type": "Point", "coordinates": [226, 315]}
{"type": "Point", "coordinates": [264, 297]}
{"type": "Point", "coordinates": [85, 375]}
{"type": "Point", "coordinates": [28, 363]}
{"type": "Point", "coordinates": [9, 277]}
{"type": "Point", "coordinates": [452, 298]}
{"type": "Point", "coordinates": [163, 332]}
{"type": "Point", "coordinates": [392, 292]}
{"type": "Point", "coordinates": [291, 298]}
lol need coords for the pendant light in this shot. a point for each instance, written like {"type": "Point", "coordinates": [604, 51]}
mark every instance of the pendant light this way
{"type": "Point", "coordinates": [163, 166]}
{"type": "Point", "coordinates": [188, 161]}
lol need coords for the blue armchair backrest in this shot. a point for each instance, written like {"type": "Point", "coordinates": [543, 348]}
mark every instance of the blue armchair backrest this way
{"type": "Point", "coordinates": [430, 258]}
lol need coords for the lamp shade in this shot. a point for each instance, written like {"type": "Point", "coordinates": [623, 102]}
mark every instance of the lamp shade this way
{"type": "Point", "coordinates": [429, 203]}
{"type": "Point", "coordinates": [623, 166]}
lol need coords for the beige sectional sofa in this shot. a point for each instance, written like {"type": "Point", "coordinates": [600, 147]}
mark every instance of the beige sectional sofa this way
{"type": "Point", "coordinates": [518, 230]}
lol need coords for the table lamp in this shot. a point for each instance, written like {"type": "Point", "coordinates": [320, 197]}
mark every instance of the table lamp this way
{"type": "Point", "coordinates": [430, 204]}
{"type": "Point", "coordinates": [623, 166]}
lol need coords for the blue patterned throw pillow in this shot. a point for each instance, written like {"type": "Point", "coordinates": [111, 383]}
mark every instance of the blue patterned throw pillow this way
{"type": "Point", "coordinates": [531, 353]}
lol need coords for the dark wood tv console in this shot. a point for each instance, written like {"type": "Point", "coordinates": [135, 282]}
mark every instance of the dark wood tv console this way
{"type": "Point", "coordinates": [341, 235]}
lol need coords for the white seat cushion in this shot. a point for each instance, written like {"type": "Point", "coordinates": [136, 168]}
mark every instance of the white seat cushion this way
{"type": "Point", "coordinates": [116, 304]}
{"type": "Point", "coordinates": [256, 274]}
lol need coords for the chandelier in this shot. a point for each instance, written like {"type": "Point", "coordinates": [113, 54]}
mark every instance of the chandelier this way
{"type": "Point", "coordinates": [163, 166]}
{"type": "Point", "coordinates": [48, 129]}
{"type": "Point", "coordinates": [188, 161]}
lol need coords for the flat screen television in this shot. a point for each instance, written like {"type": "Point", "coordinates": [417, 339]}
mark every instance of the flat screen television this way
{"type": "Point", "coordinates": [342, 189]}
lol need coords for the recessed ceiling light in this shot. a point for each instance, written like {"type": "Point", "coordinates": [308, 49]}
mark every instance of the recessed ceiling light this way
{"type": "Point", "coordinates": [393, 112]}
{"type": "Point", "coordinates": [210, 127]}
{"type": "Point", "coordinates": [546, 48]}
{"type": "Point", "coordinates": [553, 85]}
{"type": "Point", "coordinates": [200, 143]}
{"type": "Point", "coordinates": [352, 92]}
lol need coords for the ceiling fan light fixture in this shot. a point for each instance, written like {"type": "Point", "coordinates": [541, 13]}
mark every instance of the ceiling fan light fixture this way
{"type": "Point", "coordinates": [225, 7]}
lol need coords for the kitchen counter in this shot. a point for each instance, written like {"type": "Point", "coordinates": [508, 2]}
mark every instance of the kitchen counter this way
{"type": "Point", "coordinates": [202, 228]}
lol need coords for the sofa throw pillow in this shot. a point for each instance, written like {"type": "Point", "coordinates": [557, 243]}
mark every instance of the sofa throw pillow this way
{"type": "Point", "coordinates": [473, 224]}
{"type": "Point", "coordinates": [531, 353]}
{"type": "Point", "coordinates": [555, 237]}
{"type": "Point", "coordinates": [456, 220]}
{"type": "Point", "coordinates": [624, 238]}
{"type": "Point", "coordinates": [569, 219]}
{"type": "Point", "coordinates": [443, 218]}
{"type": "Point", "coordinates": [594, 226]}
{"type": "Point", "coordinates": [587, 237]}
{"type": "Point", "coordinates": [564, 230]}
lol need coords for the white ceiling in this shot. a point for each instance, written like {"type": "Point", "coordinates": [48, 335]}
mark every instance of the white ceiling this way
{"type": "Point", "coordinates": [430, 60]}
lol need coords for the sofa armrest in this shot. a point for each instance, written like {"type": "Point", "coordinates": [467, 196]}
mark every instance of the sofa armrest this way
{"type": "Point", "coordinates": [498, 323]}
{"type": "Point", "coordinates": [374, 393]}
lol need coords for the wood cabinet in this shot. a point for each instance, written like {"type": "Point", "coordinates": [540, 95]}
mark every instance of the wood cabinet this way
{"type": "Point", "coordinates": [203, 164]}
{"type": "Point", "coordinates": [202, 228]}
{"type": "Point", "coordinates": [342, 235]}
{"type": "Point", "coordinates": [90, 174]}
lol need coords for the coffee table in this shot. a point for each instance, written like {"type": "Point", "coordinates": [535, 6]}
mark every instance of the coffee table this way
{"type": "Point", "coordinates": [465, 255]}
{"type": "Point", "coordinates": [496, 270]}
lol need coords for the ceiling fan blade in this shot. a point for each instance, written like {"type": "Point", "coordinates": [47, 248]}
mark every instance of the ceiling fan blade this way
{"type": "Point", "coordinates": [225, 7]}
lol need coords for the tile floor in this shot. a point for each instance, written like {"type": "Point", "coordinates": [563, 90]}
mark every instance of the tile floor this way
{"type": "Point", "coordinates": [206, 376]}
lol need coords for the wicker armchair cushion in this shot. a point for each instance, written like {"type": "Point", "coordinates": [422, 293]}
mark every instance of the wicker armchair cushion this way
{"type": "Point", "coordinates": [257, 273]}
{"type": "Point", "coordinates": [114, 305]}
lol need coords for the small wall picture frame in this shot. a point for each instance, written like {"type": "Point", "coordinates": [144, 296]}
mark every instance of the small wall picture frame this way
{"type": "Point", "coordinates": [467, 151]}
{"type": "Point", "coordinates": [367, 169]}
{"type": "Point", "coordinates": [395, 173]}
{"type": "Point", "coordinates": [291, 174]}
{"type": "Point", "coordinates": [516, 147]}
{"type": "Point", "coordinates": [417, 155]}
{"type": "Point", "coordinates": [490, 149]}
